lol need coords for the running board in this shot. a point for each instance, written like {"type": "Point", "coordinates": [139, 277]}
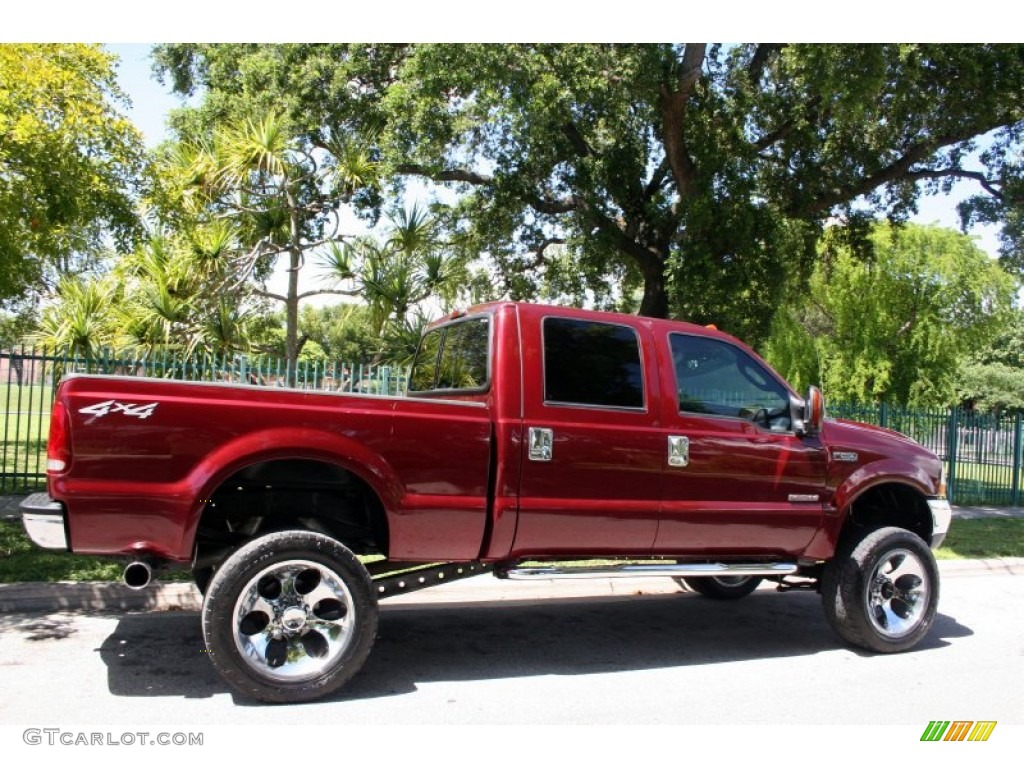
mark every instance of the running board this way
{"type": "Point", "coordinates": [633, 571]}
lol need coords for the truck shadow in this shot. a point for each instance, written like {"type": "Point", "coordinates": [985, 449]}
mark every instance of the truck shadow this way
{"type": "Point", "coordinates": [163, 654]}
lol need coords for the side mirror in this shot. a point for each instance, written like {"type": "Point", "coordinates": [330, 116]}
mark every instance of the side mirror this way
{"type": "Point", "coordinates": [814, 411]}
{"type": "Point", "coordinates": [809, 414]}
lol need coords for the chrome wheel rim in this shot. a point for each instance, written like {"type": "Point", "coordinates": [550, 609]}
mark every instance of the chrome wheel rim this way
{"type": "Point", "coordinates": [897, 594]}
{"type": "Point", "coordinates": [293, 620]}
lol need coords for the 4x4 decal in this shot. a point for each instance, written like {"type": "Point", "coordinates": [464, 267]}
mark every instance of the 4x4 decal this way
{"type": "Point", "coordinates": [113, 406]}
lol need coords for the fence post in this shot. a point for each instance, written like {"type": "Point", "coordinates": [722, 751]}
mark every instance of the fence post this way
{"type": "Point", "coordinates": [954, 434]}
{"type": "Point", "coordinates": [1015, 490]}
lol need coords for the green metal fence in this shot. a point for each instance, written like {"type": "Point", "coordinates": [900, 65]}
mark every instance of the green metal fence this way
{"type": "Point", "coordinates": [982, 451]}
{"type": "Point", "coordinates": [28, 378]}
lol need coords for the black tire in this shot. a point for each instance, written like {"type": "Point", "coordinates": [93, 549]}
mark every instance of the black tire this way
{"type": "Point", "coordinates": [723, 587]}
{"type": "Point", "coordinates": [881, 592]}
{"type": "Point", "coordinates": [289, 617]}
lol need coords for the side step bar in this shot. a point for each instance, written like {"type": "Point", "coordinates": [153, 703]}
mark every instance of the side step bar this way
{"type": "Point", "coordinates": [673, 570]}
{"type": "Point", "coordinates": [416, 577]}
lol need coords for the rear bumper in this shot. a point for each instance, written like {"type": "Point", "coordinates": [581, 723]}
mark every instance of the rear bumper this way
{"type": "Point", "coordinates": [942, 514]}
{"type": "Point", "coordinates": [44, 521]}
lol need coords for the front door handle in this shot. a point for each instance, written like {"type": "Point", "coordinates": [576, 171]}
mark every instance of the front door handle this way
{"type": "Point", "coordinates": [678, 451]}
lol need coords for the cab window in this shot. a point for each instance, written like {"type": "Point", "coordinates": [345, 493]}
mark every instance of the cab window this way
{"type": "Point", "coordinates": [717, 378]}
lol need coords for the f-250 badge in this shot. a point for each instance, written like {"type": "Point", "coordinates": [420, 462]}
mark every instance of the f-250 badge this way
{"type": "Point", "coordinates": [113, 406]}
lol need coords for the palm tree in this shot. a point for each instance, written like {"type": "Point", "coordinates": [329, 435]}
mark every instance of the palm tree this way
{"type": "Point", "coordinates": [280, 197]}
{"type": "Point", "coordinates": [81, 321]}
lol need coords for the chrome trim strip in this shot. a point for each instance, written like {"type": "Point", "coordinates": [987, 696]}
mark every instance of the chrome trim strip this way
{"type": "Point", "coordinates": [46, 531]}
{"type": "Point", "coordinates": [644, 571]}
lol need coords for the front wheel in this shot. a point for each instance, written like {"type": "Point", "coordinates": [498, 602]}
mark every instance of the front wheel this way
{"type": "Point", "coordinates": [723, 587]}
{"type": "Point", "coordinates": [289, 617]}
{"type": "Point", "coordinates": [881, 592]}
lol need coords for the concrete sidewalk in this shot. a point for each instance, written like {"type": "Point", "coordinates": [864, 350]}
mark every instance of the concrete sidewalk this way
{"type": "Point", "coordinates": [35, 597]}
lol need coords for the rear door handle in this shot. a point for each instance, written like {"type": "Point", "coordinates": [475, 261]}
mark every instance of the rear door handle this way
{"type": "Point", "coordinates": [678, 451]}
{"type": "Point", "coordinates": [541, 443]}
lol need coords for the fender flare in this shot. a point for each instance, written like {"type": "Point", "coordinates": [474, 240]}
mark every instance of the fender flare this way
{"type": "Point", "coordinates": [282, 443]}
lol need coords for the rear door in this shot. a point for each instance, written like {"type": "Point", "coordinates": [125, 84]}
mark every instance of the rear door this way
{"type": "Point", "coordinates": [592, 462]}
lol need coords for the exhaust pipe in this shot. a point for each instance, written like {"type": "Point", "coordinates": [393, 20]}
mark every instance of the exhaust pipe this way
{"type": "Point", "coordinates": [137, 575]}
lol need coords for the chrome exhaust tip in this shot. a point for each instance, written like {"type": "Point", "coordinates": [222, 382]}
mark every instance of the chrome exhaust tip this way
{"type": "Point", "coordinates": [137, 575]}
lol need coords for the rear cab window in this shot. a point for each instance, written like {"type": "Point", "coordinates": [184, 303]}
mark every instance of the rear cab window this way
{"type": "Point", "coordinates": [592, 364]}
{"type": "Point", "coordinates": [453, 358]}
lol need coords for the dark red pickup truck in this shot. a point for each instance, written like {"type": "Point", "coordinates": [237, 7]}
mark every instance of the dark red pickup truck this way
{"type": "Point", "coordinates": [530, 433]}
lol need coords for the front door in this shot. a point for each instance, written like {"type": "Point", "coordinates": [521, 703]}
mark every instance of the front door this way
{"type": "Point", "coordinates": [741, 481]}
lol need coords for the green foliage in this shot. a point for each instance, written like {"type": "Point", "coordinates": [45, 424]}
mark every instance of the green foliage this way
{"type": "Point", "coordinates": [70, 163]}
{"type": "Point", "coordinates": [343, 331]}
{"type": "Point", "coordinates": [691, 180]}
{"type": "Point", "coordinates": [894, 328]}
{"type": "Point", "coordinates": [993, 377]}
{"type": "Point", "coordinates": [706, 175]}
{"type": "Point", "coordinates": [82, 320]}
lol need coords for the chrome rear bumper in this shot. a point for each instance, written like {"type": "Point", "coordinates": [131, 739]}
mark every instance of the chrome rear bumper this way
{"type": "Point", "coordinates": [43, 519]}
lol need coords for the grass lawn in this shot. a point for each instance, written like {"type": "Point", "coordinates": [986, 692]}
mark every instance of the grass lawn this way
{"type": "Point", "coordinates": [24, 426]}
{"type": "Point", "coordinates": [20, 560]}
{"type": "Point", "coordinates": [969, 539]}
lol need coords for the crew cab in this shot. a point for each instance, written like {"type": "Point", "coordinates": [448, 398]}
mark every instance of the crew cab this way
{"type": "Point", "coordinates": [531, 438]}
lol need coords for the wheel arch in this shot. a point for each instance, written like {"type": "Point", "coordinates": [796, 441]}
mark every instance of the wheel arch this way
{"type": "Point", "coordinates": [300, 461]}
{"type": "Point", "coordinates": [886, 502]}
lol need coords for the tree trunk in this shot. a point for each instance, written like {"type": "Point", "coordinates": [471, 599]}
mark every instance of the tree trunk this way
{"type": "Point", "coordinates": [655, 300]}
{"type": "Point", "coordinates": [291, 316]}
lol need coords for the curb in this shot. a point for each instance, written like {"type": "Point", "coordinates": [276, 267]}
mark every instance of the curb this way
{"type": "Point", "coordinates": [47, 597]}
{"type": "Point", "coordinates": [41, 597]}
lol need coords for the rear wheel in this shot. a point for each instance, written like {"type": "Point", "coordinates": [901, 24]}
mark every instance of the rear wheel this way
{"type": "Point", "coordinates": [289, 617]}
{"type": "Point", "coordinates": [881, 592]}
{"type": "Point", "coordinates": [723, 587]}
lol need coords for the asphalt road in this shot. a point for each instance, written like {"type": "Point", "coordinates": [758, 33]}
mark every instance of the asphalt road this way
{"type": "Point", "coordinates": [572, 653]}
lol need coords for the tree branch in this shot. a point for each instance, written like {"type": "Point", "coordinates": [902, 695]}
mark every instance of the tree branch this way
{"type": "Point", "coordinates": [452, 174]}
{"type": "Point", "coordinates": [576, 139]}
{"type": "Point", "coordinates": [539, 253]}
{"type": "Point", "coordinates": [986, 183]}
{"type": "Point", "coordinates": [657, 180]}
{"type": "Point", "coordinates": [674, 99]}
{"type": "Point", "coordinates": [553, 207]}
{"type": "Point", "coordinates": [897, 169]}
{"type": "Point", "coordinates": [269, 295]}
{"type": "Point", "coordinates": [760, 58]}
{"type": "Point", "coordinates": [329, 292]}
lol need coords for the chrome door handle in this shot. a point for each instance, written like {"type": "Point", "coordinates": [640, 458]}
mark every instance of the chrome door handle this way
{"type": "Point", "coordinates": [678, 451]}
{"type": "Point", "coordinates": [541, 443]}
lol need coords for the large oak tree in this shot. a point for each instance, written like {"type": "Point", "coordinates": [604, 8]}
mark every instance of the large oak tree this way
{"type": "Point", "coordinates": [687, 179]}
